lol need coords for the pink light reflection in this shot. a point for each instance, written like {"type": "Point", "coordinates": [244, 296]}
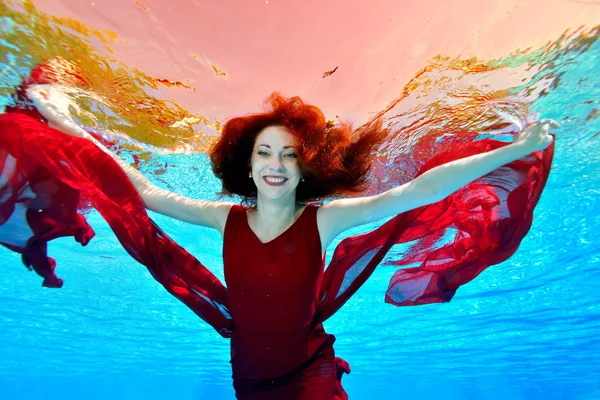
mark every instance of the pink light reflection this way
{"type": "Point", "coordinates": [287, 45]}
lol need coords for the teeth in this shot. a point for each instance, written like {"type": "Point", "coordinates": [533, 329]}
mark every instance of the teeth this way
{"type": "Point", "coordinates": [274, 180]}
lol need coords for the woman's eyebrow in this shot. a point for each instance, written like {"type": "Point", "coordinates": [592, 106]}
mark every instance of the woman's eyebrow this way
{"type": "Point", "coordinates": [284, 147]}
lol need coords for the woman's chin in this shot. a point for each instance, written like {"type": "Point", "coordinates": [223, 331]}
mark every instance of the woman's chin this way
{"type": "Point", "coordinates": [276, 193]}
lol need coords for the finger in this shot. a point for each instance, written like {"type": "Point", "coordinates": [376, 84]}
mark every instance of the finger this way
{"type": "Point", "coordinates": [545, 128]}
{"type": "Point", "coordinates": [552, 123]}
{"type": "Point", "coordinates": [511, 118]}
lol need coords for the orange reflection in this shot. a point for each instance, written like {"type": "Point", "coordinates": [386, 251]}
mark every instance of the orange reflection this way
{"type": "Point", "coordinates": [67, 46]}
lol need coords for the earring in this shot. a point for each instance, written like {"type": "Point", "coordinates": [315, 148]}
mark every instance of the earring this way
{"type": "Point", "coordinates": [250, 175]}
{"type": "Point", "coordinates": [301, 179]}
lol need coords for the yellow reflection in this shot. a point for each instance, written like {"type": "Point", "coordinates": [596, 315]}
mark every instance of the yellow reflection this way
{"type": "Point", "coordinates": [31, 37]}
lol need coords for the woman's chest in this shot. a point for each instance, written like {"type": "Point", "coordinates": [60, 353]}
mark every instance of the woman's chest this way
{"type": "Point", "coordinates": [272, 288]}
{"type": "Point", "coordinates": [283, 263]}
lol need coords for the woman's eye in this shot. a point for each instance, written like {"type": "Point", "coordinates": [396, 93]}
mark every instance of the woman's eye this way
{"type": "Point", "coordinates": [262, 153]}
{"type": "Point", "coordinates": [291, 155]}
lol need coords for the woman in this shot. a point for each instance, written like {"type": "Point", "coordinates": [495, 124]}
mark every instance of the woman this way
{"type": "Point", "coordinates": [279, 161]}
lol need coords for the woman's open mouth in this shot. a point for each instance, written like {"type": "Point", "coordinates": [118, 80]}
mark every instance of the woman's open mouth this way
{"type": "Point", "coordinates": [274, 180]}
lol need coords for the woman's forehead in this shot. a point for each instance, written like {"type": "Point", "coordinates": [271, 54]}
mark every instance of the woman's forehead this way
{"type": "Point", "coordinates": [275, 136]}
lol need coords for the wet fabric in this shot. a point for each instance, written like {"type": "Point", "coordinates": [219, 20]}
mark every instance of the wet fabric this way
{"type": "Point", "coordinates": [273, 292]}
{"type": "Point", "coordinates": [47, 177]}
{"type": "Point", "coordinates": [313, 380]}
{"type": "Point", "coordinates": [37, 163]}
{"type": "Point", "coordinates": [44, 169]}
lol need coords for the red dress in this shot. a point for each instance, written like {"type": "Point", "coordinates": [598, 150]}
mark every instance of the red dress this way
{"type": "Point", "coordinates": [47, 177]}
{"type": "Point", "coordinates": [273, 293]}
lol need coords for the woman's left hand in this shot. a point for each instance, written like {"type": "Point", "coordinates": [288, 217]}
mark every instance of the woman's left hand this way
{"type": "Point", "coordinates": [536, 137]}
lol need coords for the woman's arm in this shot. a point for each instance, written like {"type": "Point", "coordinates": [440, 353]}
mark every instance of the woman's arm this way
{"type": "Point", "coordinates": [200, 212]}
{"type": "Point", "coordinates": [431, 187]}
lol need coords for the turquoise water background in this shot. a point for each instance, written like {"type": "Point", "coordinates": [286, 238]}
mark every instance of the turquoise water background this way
{"type": "Point", "coordinates": [528, 328]}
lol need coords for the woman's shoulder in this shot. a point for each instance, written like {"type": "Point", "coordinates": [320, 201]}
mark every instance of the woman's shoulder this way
{"type": "Point", "coordinates": [237, 207]}
{"type": "Point", "coordinates": [315, 206]}
{"type": "Point", "coordinates": [310, 214]}
{"type": "Point", "coordinates": [224, 213]}
{"type": "Point", "coordinates": [236, 210]}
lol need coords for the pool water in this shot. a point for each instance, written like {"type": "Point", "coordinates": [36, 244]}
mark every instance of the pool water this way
{"type": "Point", "coordinates": [528, 328]}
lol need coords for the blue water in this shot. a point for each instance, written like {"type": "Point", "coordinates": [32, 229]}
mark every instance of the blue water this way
{"type": "Point", "coordinates": [525, 329]}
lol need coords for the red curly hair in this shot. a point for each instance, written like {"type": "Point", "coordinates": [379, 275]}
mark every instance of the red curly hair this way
{"type": "Point", "coordinates": [333, 159]}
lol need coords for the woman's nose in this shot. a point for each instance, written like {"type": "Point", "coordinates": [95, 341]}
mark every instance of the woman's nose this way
{"type": "Point", "coordinates": [276, 164]}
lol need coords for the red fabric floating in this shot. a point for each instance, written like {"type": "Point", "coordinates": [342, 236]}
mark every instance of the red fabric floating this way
{"type": "Point", "coordinates": [47, 177]}
{"type": "Point", "coordinates": [44, 169]}
{"type": "Point", "coordinates": [57, 168]}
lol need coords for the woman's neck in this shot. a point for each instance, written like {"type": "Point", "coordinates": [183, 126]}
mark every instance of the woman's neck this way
{"type": "Point", "coordinates": [274, 215]}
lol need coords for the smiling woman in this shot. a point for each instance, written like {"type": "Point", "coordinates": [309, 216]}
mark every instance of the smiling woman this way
{"type": "Point", "coordinates": [274, 159]}
{"type": "Point", "coordinates": [332, 159]}
{"type": "Point", "coordinates": [278, 292]}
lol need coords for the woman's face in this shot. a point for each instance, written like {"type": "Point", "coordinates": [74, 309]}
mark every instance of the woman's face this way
{"type": "Point", "coordinates": [274, 163]}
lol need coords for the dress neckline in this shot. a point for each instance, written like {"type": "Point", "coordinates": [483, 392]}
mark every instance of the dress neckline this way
{"type": "Point", "coordinates": [293, 224]}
